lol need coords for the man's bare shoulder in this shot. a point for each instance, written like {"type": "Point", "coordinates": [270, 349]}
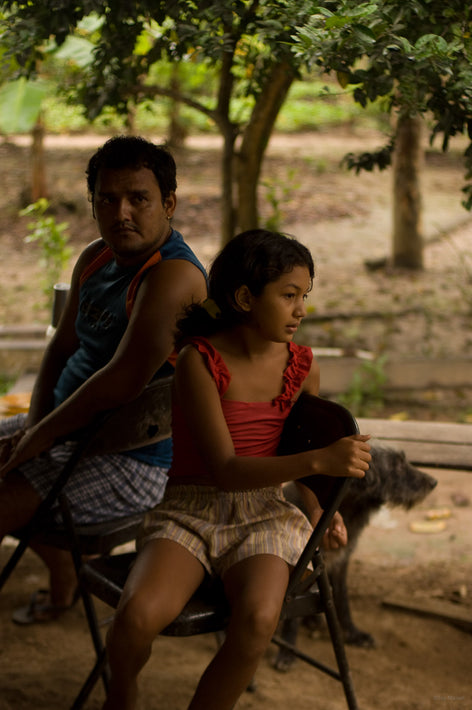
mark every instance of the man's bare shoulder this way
{"type": "Point", "coordinates": [179, 275]}
{"type": "Point", "coordinates": [88, 254]}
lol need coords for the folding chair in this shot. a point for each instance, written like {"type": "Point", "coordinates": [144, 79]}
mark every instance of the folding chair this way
{"type": "Point", "coordinates": [141, 422]}
{"type": "Point", "coordinates": [144, 421]}
{"type": "Point", "coordinates": [312, 423]}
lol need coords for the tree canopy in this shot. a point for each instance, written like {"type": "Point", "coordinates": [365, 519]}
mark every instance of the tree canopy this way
{"type": "Point", "coordinates": [246, 44]}
{"type": "Point", "coordinates": [417, 54]}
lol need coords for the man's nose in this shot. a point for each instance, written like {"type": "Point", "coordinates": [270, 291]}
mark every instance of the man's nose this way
{"type": "Point", "coordinates": [123, 210]}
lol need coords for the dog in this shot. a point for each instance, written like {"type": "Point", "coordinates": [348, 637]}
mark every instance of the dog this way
{"type": "Point", "coordinates": [390, 480]}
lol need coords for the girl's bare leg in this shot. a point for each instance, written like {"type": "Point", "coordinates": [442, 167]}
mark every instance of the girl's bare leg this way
{"type": "Point", "coordinates": [161, 582]}
{"type": "Point", "coordinates": [255, 590]}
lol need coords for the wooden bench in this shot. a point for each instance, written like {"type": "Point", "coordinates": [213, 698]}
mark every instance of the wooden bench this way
{"type": "Point", "coordinates": [431, 444]}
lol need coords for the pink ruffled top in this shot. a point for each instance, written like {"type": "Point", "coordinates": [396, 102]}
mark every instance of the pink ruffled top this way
{"type": "Point", "coordinates": [255, 427]}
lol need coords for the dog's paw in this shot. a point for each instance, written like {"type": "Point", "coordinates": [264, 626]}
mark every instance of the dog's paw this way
{"type": "Point", "coordinates": [284, 660]}
{"type": "Point", "coordinates": [356, 637]}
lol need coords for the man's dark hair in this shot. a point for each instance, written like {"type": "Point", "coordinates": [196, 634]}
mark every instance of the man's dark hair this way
{"type": "Point", "coordinates": [134, 152]}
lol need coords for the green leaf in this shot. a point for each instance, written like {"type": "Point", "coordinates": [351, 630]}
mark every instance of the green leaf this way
{"type": "Point", "coordinates": [77, 50]}
{"type": "Point", "coordinates": [343, 78]}
{"type": "Point", "coordinates": [20, 105]}
{"type": "Point", "coordinates": [432, 43]}
{"type": "Point", "coordinates": [363, 34]}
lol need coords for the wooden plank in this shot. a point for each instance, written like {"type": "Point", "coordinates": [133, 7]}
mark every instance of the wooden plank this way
{"type": "Point", "coordinates": [443, 432]}
{"type": "Point", "coordinates": [435, 455]}
{"type": "Point", "coordinates": [432, 444]}
{"type": "Point", "coordinates": [446, 611]}
{"type": "Point", "coordinates": [404, 374]}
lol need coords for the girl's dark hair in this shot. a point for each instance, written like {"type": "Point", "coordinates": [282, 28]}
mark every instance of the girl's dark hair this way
{"type": "Point", "coordinates": [253, 258]}
{"type": "Point", "coordinates": [134, 152]}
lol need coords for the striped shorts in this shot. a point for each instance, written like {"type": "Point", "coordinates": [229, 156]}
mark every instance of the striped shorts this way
{"type": "Point", "coordinates": [221, 528]}
{"type": "Point", "coordinates": [101, 487]}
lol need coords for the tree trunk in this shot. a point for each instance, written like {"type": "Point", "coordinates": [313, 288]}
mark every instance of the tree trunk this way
{"type": "Point", "coordinates": [38, 168]}
{"type": "Point", "coordinates": [177, 132]}
{"type": "Point", "coordinates": [229, 131]}
{"type": "Point", "coordinates": [255, 139]}
{"type": "Point", "coordinates": [407, 208]}
{"type": "Point", "coordinates": [227, 185]}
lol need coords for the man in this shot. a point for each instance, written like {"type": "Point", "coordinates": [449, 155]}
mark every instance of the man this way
{"type": "Point", "coordinates": [116, 334]}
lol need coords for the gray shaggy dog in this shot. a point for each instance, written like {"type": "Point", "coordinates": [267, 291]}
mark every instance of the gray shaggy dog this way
{"type": "Point", "coordinates": [390, 480]}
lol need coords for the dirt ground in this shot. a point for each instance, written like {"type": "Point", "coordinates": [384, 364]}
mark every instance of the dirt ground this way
{"type": "Point", "coordinates": [420, 662]}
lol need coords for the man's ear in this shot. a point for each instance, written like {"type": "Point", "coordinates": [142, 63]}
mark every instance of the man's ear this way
{"type": "Point", "coordinates": [170, 203]}
{"type": "Point", "coordinates": [243, 298]}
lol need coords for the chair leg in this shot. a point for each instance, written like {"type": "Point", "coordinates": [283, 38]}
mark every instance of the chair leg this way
{"type": "Point", "coordinates": [98, 670]}
{"type": "Point", "coordinates": [42, 510]}
{"type": "Point", "coordinates": [13, 560]}
{"type": "Point", "coordinates": [87, 600]}
{"type": "Point", "coordinates": [336, 635]}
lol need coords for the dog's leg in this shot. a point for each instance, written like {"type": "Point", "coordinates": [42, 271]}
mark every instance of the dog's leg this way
{"type": "Point", "coordinates": [338, 578]}
{"type": "Point", "coordinates": [285, 658]}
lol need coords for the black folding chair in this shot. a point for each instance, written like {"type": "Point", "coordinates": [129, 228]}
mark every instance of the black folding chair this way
{"type": "Point", "coordinates": [312, 423]}
{"type": "Point", "coordinates": [142, 422]}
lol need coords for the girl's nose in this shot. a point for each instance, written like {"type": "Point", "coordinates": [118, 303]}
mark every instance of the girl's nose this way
{"type": "Point", "coordinates": [300, 309]}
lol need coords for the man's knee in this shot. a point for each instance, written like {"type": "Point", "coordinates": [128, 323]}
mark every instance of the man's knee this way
{"type": "Point", "coordinates": [18, 502]}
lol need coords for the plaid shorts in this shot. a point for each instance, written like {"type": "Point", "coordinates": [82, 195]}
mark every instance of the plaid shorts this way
{"type": "Point", "coordinates": [221, 528]}
{"type": "Point", "coordinates": [101, 487]}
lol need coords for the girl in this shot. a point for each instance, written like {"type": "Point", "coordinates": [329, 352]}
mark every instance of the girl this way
{"type": "Point", "coordinates": [237, 376]}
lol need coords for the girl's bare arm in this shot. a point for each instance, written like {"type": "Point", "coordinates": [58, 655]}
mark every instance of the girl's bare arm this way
{"type": "Point", "coordinates": [200, 401]}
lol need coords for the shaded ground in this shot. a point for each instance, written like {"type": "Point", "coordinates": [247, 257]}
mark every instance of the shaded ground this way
{"type": "Point", "coordinates": [420, 663]}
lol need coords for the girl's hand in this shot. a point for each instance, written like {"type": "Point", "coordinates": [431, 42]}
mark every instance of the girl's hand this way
{"type": "Point", "coordinates": [336, 535]}
{"type": "Point", "coordinates": [349, 456]}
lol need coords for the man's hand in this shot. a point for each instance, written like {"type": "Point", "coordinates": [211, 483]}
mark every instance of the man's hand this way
{"type": "Point", "coordinates": [22, 446]}
{"type": "Point", "coordinates": [336, 535]}
{"type": "Point", "coordinates": [8, 445]}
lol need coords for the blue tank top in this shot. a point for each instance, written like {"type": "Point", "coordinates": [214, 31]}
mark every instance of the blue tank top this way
{"type": "Point", "coordinates": [106, 298]}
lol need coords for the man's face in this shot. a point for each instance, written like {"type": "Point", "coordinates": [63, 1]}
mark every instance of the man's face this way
{"type": "Point", "coordinates": [130, 214]}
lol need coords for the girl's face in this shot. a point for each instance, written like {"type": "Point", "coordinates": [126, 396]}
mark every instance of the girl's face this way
{"type": "Point", "coordinates": [279, 310]}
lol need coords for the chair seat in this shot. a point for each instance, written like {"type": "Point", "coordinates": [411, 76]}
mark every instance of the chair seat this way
{"type": "Point", "coordinates": [92, 539]}
{"type": "Point", "coordinates": [96, 538]}
{"type": "Point", "coordinates": [206, 612]}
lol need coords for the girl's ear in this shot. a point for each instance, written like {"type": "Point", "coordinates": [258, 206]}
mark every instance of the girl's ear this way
{"type": "Point", "coordinates": [243, 298]}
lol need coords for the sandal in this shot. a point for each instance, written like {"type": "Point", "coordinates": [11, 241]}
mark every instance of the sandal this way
{"type": "Point", "coordinates": [40, 609]}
